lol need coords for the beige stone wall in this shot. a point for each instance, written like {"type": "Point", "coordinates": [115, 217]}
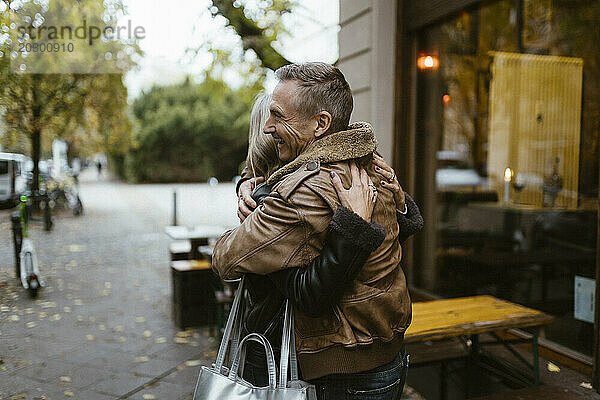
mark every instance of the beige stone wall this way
{"type": "Point", "coordinates": [367, 57]}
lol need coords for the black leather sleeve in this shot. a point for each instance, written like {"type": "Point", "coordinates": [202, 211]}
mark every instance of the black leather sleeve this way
{"type": "Point", "coordinates": [315, 287]}
{"type": "Point", "coordinates": [411, 222]}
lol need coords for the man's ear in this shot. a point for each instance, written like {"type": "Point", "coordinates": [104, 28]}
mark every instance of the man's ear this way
{"type": "Point", "coordinates": [323, 120]}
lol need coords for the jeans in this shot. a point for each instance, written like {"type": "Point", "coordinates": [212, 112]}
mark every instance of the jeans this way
{"type": "Point", "coordinates": [382, 383]}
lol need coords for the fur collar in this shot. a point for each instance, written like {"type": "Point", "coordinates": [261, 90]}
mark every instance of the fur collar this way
{"type": "Point", "coordinates": [356, 142]}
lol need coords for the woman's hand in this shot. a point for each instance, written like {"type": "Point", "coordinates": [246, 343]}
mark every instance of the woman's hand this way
{"type": "Point", "coordinates": [361, 196]}
{"type": "Point", "coordinates": [389, 180]}
{"type": "Point", "coordinates": [245, 202]}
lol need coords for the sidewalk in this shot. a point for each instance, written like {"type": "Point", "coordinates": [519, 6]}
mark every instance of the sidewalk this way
{"type": "Point", "coordinates": [102, 328]}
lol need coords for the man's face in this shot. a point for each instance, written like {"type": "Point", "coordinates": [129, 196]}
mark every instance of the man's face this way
{"type": "Point", "coordinates": [291, 132]}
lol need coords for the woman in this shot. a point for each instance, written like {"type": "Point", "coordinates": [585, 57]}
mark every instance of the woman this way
{"type": "Point", "coordinates": [320, 284]}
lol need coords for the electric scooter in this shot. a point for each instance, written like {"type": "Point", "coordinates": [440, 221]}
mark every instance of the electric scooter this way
{"type": "Point", "coordinates": [30, 273]}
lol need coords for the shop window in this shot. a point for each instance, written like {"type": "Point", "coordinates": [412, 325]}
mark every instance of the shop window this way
{"type": "Point", "coordinates": [507, 136]}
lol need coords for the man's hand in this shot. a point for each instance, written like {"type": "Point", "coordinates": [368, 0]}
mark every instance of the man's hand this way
{"type": "Point", "coordinates": [390, 180]}
{"type": "Point", "coordinates": [245, 202]}
{"type": "Point", "coordinates": [361, 196]}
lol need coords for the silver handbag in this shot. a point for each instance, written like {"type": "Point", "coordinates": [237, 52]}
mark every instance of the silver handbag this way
{"type": "Point", "coordinates": [222, 383]}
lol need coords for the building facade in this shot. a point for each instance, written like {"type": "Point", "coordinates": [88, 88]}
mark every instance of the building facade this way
{"type": "Point", "coordinates": [489, 112]}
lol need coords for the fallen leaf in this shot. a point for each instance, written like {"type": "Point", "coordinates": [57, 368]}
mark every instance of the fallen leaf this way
{"type": "Point", "coordinates": [90, 337]}
{"type": "Point", "coordinates": [180, 340]}
{"type": "Point", "coordinates": [92, 319]}
{"type": "Point", "coordinates": [76, 248]}
{"type": "Point", "coordinates": [183, 334]}
{"type": "Point", "coordinates": [14, 318]}
{"type": "Point", "coordinates": [28, 310]}
{"type": "Point", "coordinates": [56, 317]}
{"type": "Point", "coordinates": [147, 334]}
{"type": "Point", "coordinates": [42, 315]}
{"type": "Point", "coordinates": [65, 379]}
{"type": "Point", "coordinates": [67, 309]}
{"type": "Point", "coordinates": [148, 396]}
{"type": "Point", "coordinates": [48, 304]}
{"type": "Point", "coordinates": [118, 328]}
{"type": "Point", "coordinates": [161, 339]}
{"type": "Point", "coordinates": [78, 302]}
{"type": "Point", "coordinates": [4, 309]}
{"type": "Point", "coordinates": [107, 285]}
{"type": "Point", "coordinates": [30, 324]}
{"type": "Point", "coordinates": [209, 355]}
{"type": "Point", "coordinates": [140, 319]}
{"type": "Point", "coordinates": [142, 359]}
{"type": "Point", "coordinates": [553, 367]}
{"type": "Point", "coordinates": [193, 363]}
{"type": "Point", "coordinates": [69, 393]}
{"type": "Point", "coordinates": [102, 327]}
{"type": "Point", "coordinates": [80, 318]}
{"type": "Point", "coordinates": [586, 385]}
{"type": "Point", "coordinates": [122, 339]}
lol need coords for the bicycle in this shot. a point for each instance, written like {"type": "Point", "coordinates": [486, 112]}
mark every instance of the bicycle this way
{"type": "Point", "coordinates": [27, 265]}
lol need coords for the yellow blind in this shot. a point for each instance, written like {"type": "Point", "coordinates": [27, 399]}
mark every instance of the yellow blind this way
{"type": "Point", "coordinates": [535, 117]}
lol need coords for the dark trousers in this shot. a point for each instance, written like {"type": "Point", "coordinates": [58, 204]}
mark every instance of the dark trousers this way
{"type": "Point", "coordinates": [382, 383]}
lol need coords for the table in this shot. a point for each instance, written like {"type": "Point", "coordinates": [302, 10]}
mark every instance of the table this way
{"type": "Point", "coordinates": [473, 316]}
{"type": "Point", "coordinates": [198, 235]}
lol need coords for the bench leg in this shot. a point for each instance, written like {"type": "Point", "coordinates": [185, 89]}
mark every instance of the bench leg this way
{"type": "Point", "coordinates": [536, 357]}
{"type": "Point", "coordinates": [475, 388]}
{"type": "Point", "coordinates": [444, 373]}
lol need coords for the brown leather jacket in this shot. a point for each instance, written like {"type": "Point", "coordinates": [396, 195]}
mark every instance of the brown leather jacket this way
{"type": "Point", "coordinates": [289, 230]}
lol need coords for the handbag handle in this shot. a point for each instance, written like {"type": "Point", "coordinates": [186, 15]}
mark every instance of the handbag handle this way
{"type": "Point", "coordinates": [235, 316]}
{"type": "Point", "coordinates": [288, 348]}
{"type": "Point", "coordinates": [271, 366]}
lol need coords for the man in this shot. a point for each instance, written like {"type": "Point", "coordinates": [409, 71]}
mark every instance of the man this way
{"type": "Point", "coordinates": [356, 343]}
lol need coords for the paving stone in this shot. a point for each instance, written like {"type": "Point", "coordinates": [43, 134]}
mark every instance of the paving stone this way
{"type": "Point", "coordinates": [17, 385]}
{"type": "Point", "coordinates": [164, 391]}
{"type": "Point", "coordinates": [187, 375]}
{"type": "Point", "coordinates": [119, 384]}
{"type": "Point", "coordinates": [154, 367]}
{"type": "Point", "coordinates": [92, 395]}
{"type": "Point", "coordinates": [47, 370]}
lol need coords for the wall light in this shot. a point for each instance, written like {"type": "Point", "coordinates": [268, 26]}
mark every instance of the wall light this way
{"type": "Point", "coordinates": [428, 62]}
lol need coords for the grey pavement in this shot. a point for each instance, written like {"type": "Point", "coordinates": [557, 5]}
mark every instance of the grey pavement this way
{"type": "Point", "coordinates": [102, 329]}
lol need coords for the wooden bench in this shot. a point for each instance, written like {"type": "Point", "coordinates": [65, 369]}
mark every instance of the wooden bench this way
{"type": "Point", "coordinates": [180, 250]}
{"type": "Point", "coordinates": [194, 286]}
{"type": "Point", "coordinates": [441, 322]}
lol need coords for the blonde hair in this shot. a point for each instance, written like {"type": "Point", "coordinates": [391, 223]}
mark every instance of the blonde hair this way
{"type": "Point", "coordinates": [262, 159]}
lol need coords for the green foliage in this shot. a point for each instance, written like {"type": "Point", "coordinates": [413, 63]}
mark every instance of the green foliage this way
{"type": "Point", "coordinates": [189, 132]}
{"type": "Point", "coordinates": [86, 110]}
{"type": "Point", "coordinates": [257, 26]}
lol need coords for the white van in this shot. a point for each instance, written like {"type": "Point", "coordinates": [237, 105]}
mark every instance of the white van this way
{"type": "Point", "coordinates": [13, 179]}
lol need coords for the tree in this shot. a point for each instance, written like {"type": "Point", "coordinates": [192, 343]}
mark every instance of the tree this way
{"type": "Point", "coordinates": [258, 27]}
{"type": "Point", "coordinates": [83, 108]}
{"type": "Point", "coordinates": [189, 132]}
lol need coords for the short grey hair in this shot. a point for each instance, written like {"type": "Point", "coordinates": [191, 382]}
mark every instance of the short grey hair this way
{"type": "Point", "coordinates": [322, 87]}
